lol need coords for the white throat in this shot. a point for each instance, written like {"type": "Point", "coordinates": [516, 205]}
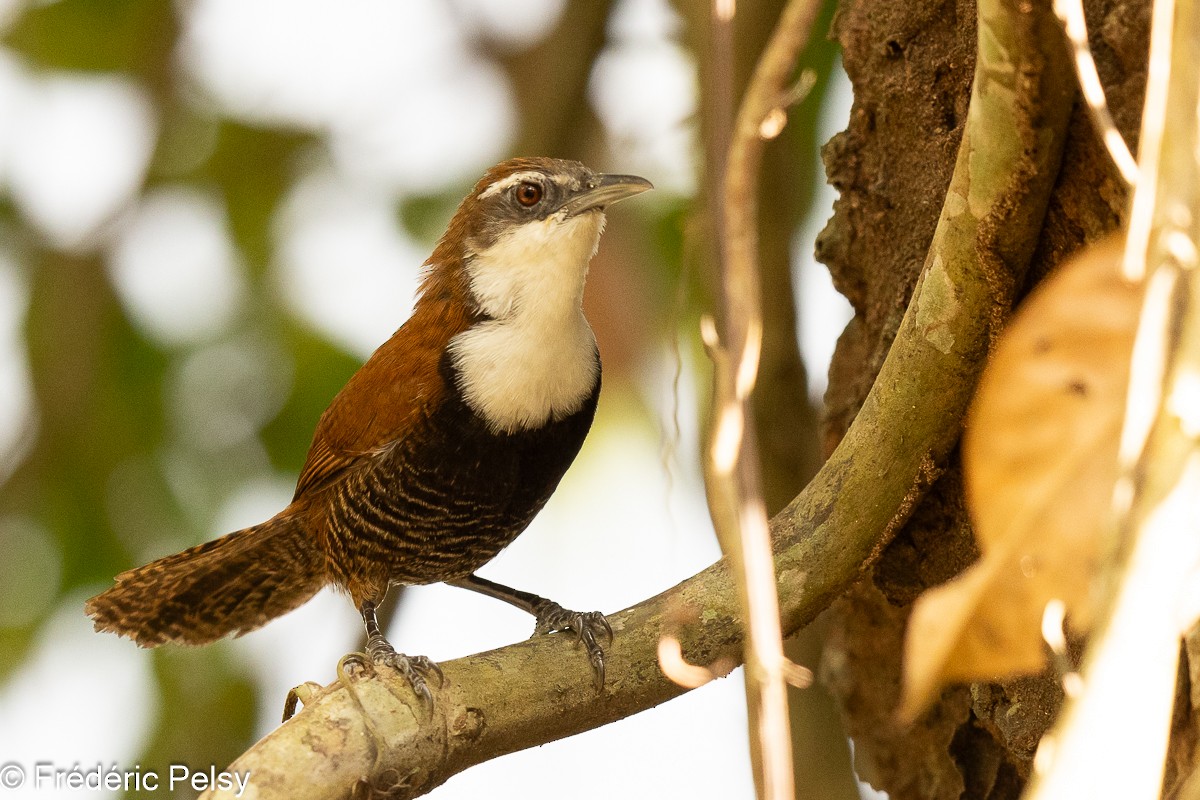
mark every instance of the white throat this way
{"type": "Point", "coordinates": [535, 360]}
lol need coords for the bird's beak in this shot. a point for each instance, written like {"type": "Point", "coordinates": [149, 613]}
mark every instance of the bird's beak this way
{"type": "Point", "coordinates": [604, 190]}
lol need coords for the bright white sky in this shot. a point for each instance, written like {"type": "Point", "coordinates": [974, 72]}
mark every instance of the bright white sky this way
{"type": "Point", "coordinates": [73, 151]}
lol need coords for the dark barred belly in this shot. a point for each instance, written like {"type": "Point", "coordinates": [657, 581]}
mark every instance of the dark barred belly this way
{"type": "Point", "coordinates": [443, 502]}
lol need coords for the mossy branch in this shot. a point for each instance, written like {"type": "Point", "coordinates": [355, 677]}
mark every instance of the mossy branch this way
{"type": "Point", "coordinates": [537, 691]}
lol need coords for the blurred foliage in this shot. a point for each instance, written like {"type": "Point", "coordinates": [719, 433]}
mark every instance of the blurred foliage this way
{"type": "Point", "coordinates": [98, 475]}
{"type": "Point", "coordinates": [90, 368]}
{"type": "Point", "coordinates": [132, 36]}
{"type": "Point", "coordinates": [253, 167]}
{"type": "Point", "coordinates": [424, 216]}
{"type": "Point", "coordinates": [192, 684]}
{"type": "Point", "coordinates": [109, 474]}
{"type": "Point", "coordinates": [324, 370]}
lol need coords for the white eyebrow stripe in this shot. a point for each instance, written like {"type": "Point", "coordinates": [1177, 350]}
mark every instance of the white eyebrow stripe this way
{"type": "Point", "coordinates": [512, 180]}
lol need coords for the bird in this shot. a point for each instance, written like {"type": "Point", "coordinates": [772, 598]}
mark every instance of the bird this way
{"type": "Point", "coordinates": [439, 451]}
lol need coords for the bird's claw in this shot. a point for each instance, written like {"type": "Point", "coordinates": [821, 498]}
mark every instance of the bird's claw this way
{"type": "Point", "coordinates": [588, 626]}
{"type": "Point", "coordinates": [415, 669]}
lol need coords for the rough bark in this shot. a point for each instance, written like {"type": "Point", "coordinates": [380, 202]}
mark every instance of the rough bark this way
{"type": "Point", "coordinates": [911, 66]}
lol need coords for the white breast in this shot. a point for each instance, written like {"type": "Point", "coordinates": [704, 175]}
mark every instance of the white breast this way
{"type": "Point", "coordinates": [535, 360]}
{"type": "Point", "coordinates": [519, 377]}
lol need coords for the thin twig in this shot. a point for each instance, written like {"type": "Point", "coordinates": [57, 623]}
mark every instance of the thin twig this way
{"type": "Point", "coordinates": [732, 469]}
{"type": "Point", "coordinates": [1070, 13]}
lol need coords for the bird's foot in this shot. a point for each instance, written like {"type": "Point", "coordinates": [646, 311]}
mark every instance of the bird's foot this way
{"type": "Point", "coordinates": [588, 627]}
{"type": "Point", "coordinates": [416, 669]}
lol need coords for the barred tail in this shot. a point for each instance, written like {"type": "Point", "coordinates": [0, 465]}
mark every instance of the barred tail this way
{"type": "Point", "coordinates": [231, 585]}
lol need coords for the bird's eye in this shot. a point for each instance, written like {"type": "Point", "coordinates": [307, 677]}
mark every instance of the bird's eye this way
{"type": "Point", "coordinates": [529, 194]}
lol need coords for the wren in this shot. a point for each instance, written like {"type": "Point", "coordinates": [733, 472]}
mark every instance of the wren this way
{"type": "Point", "coordinates": [439, 451]}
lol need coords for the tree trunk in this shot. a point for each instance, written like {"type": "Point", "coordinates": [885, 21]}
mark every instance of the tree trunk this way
{"type": "Point", "coordinates": [911, 65]}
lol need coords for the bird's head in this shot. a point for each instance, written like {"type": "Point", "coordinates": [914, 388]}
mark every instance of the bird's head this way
{"type": "Point", "coordinates": [525, 234]}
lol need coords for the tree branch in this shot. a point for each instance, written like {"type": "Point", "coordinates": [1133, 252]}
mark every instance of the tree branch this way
{"type": "Point", "coordinates": [540, 690]}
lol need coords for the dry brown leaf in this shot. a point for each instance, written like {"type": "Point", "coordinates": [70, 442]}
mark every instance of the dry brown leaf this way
{"type": "Point", "coordinates": [1039, 459]}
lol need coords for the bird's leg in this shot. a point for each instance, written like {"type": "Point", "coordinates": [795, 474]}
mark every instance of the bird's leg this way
{"type": "Point", "coordinates": [416, 669]}
{"type": "Point", "coordinates": [588, 625]}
